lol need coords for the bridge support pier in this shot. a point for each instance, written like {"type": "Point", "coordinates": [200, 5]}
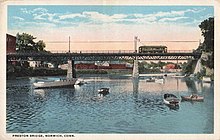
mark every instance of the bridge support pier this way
{"type": "Point", "coordinates": [135, 69]}
{"type": "Point", "coordinates": [71, 73]}
{"type": "Point", "coordinates": [135, 66]}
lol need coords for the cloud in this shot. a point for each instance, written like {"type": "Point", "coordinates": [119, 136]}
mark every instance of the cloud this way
{"type": "Point", "coordinates": [94, 17]}
{"type": "Point", "coordinates": [97, 17]}
{"type": "Point", "coordinates": [32, 11]}
{"type": "Point", "coordinates": [43, 15]}
{"type": "Point", "coordinates": [39, 13]}
{"type": "Point", "coordinates": [18, 18]}
{"type": "Point", "coordinates": [172, 19]}
{"type": "Point", "coordinates": [167, 14]}
{"type": "Point", "coordinates": [195, 10]}
{"type": "Point", "coordinates": [25, 11]}
{"type": "Point", "coordinates": [71, 16]}
{"type": "Point", "coordinates": [39, 10]}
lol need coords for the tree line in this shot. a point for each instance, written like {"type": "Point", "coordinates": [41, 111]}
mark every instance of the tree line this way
{"type": "Point", "coordinates": [25, 43]}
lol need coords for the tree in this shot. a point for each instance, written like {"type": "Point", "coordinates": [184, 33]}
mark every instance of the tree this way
{"type": "Point", "coordinates": [25, 43]}
{"type": "Point", "coordinates": [207, 28]}
{"type": "Point", "coordinates": [40, 45]}
{"type": "Point", "coordinates": [161, 64]}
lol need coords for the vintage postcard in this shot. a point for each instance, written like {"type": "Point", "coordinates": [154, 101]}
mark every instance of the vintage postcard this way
{"type": "Point", "coordinates": [110, 70]}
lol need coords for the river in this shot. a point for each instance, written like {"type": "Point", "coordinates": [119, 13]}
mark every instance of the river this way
{"type": "Point", "coordinates": [132, 106]}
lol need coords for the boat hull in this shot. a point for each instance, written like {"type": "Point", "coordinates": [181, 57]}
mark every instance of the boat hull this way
{"type": "Point", "coordinates": [150, 80]}
{"type": "Point", "coordinates": [189, 98]}
{"type": "Point", "coordinates": [171, 100]}
{"type": "Point", "coordinates": [54, 84]}
{"type": "Point", "coordinates": [161, 81]}
{"type": "Point", "coordinates": [103, 91]}
{"type": "Point", "coordinates": [206, 80]}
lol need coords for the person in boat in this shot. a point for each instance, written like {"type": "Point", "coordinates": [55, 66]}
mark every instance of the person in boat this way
{"type": "Point", "coordinates": [194, 96]}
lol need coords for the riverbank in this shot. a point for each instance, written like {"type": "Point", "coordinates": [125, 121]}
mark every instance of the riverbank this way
{"type": "Point", "coordinates": [19, 71]}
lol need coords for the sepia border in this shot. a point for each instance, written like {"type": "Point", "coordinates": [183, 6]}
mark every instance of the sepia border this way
{"type": "Point", "coordinates": [3, 31]}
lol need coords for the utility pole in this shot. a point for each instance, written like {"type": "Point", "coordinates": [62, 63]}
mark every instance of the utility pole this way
{"type": "Point", "coordinates": [135, 43]}
{"type": "Point", "coordinates": [71, 70]}
{"type": "Point", "coordinates": [69, 44]}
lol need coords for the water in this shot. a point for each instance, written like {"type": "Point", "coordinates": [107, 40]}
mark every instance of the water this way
{"type": "Point", "coordinates": [131, 107]}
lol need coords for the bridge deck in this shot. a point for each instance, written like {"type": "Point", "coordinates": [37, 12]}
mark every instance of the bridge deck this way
{"type": "Point", "coordinates": [102, 56]}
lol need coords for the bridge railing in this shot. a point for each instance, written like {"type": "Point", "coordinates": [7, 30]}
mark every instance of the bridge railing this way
{"type": "Point", "coordinates": [101, 51]}
{"type": "Point", "coordinates": [180, 51]}
{"type": "Point", "coordinates": [117, 51]}
{"type": "Point", "coordinates": [95, 51]}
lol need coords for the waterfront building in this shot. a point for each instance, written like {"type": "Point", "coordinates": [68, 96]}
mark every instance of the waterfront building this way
{"type": "Point", "coordinates": [99, 65]}
{"type": "Point", "coordinates": [10, 43]}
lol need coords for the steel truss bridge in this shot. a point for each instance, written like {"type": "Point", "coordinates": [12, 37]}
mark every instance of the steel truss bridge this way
{"type": "Point", "coordinates": [102, 56]}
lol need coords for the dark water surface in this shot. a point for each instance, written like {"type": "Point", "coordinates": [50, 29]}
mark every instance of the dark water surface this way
{"type": "Point", "coordinates": [131, 107]}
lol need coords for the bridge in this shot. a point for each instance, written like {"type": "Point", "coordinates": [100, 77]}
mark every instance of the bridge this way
{"type": "Point", "coordinates": [103, 55]}
{"type": "Point", "coordinates": [106, 55]}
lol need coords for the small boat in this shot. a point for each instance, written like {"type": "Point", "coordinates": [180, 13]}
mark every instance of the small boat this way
{"type": "Point", "coordinates": [193, 98]}
{"type": "Point", "coordinates": [56, 83]}
{"type": "Point", "coordinates": [150, 79]}
{"type": "Point", "coordinates": [103, 91]}
{"type": "Point", "coordinates": [170, 99]}
{"type": "Point", "coordinates": [161, 81]}
{"type": "Point", "coordinates": [80, 82]}
{"type": "Point", "coordinates": [178, 76]}
{"type": "Point", "coordinates": [206, 79]}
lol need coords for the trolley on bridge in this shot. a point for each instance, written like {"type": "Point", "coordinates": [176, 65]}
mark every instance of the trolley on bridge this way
{"type": "Point", "coordinates": [152, 49]}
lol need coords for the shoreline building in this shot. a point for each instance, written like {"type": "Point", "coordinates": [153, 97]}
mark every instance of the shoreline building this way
{"type": "Point", "coordinates": [81, 65]}
{"type": "Point", "coordinates": [10, 44]}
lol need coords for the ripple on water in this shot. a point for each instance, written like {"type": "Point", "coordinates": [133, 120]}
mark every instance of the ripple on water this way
{"type": "Point", "coordinates": [126, 109]}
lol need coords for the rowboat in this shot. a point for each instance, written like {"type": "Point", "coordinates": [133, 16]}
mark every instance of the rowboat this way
{"type": "Point", "coordinates": [103, 91]}
{"type": "Point", "coordinates": [161, 81]}
{"type": "Point", "coordinates": [150, 79]}
{"type": "Point", "coordinates": [80, 82]}
{"type": "Point", "coordinates": [170, 99]}
{"type": "Point", "coordinates": [193, 98]}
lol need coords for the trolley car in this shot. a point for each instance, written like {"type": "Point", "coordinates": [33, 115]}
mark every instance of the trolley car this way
{"type": "Point", "coordinates": [152, 49]}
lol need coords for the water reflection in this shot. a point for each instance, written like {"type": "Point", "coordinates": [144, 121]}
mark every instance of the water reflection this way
{"type": "Point", "coordinates": [40, 92]}
{"type": "Point", "coordinates": [135, 82]}
{"type": "Point", "coordinates": [173, 107]}
{"type": "Point", "coordinates": [39, 95]}
{"type": "Point", "coordinates": [147, 101]}
{"type": "Point", "coordinates": [207, 85]}
{"type": "Point", "coordinates": [191, 86]}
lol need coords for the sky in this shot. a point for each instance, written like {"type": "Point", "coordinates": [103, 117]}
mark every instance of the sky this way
{"type": "Point", "coordinates": [109, 27]}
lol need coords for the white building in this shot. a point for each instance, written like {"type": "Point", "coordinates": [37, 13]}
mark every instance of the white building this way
{"type": "Point", "coordinates": [34, 64]}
